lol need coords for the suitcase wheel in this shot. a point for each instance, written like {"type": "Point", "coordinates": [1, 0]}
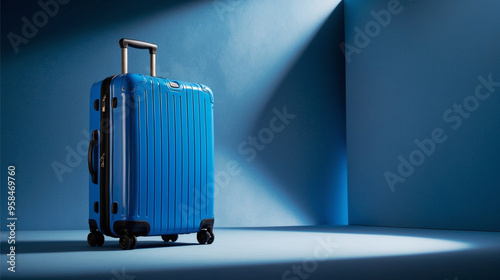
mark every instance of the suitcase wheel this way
{"type": "Point", "coordinates": [211, 239]}
{"type": "Point", "coordinates": [170, 237]}
{"type": "Point", "coordinates": [204, 237]}
{"type": "Point", "coordinates": [95, 238]}
{"type": "Point", "coordinates": [128, 241]}
{"type": "Point", "coordinates": [91, 239]}
{"type": "Point", "coordinates": [100, 239]}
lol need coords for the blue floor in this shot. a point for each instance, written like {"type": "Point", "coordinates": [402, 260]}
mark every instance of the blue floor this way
{"type": "Point", "coordinates": [322, 252]}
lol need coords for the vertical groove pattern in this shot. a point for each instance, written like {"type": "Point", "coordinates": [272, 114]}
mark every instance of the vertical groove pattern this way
{"type": "Point", "coordinates": [173, 138]}
{"type": "Point", "coordinates": [146, 144]}
{"type": "Point", "coordinates": [153, 152]}
{"type": "Point", "coordinates": [139, 177]}
{"type": "Point", "coordinates": [160, 120]}
{"type": "Point", "coordinates": [204, 160]}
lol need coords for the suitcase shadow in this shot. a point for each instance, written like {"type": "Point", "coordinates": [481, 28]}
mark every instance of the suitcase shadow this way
{"type": "Point", "coordinates": [159, 244]}
{"type": "Point", "coordinates": [40, 246]}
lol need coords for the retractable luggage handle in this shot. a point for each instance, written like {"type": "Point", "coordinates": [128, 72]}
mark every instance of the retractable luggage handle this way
{"type": "Point", "coordinates": [93, 142]}
{"type": "Point", "coordinates": [124, 43]}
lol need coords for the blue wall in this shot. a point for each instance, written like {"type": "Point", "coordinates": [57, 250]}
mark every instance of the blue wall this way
{"type": "Point", "coordinates": [264, 60]}
{"type": "Point", "coordinates": [416, 159]}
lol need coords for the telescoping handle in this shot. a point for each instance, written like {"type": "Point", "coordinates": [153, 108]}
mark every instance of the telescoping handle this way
{"type": "Point", "coordinates": [124, 43]}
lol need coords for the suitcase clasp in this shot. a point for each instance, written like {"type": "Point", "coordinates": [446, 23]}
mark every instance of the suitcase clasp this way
{"type": "Point", "coordinates": [102, 159]}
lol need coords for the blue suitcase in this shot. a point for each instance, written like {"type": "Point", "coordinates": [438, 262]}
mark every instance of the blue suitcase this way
{"type": "Point", "coordinates": [151, 157]}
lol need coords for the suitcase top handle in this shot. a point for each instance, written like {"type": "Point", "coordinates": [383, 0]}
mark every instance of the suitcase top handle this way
{"type": "Point", "coordinates": [124, 43]}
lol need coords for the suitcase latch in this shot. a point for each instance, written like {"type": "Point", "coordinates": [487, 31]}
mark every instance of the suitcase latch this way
{"type": "Point", "coordinates": [102, 159]}
{"type": "Point", "coordinates": [104, 104]}
{"type": "Point", "coordinates": [174, 85]}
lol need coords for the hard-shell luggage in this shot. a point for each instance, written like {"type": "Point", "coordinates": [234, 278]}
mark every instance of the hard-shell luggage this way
{"type": "Point", "coordinates": [151, 157]}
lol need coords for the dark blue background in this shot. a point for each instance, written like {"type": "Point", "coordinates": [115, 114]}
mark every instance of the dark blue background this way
{"type": "Point", "coordinates": [426, 59]}
{"type": "Point", "coordinates": [255, 55]}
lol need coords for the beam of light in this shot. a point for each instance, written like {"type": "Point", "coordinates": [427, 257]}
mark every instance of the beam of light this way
{"type": "Point", "coordinates": [242, 48]}
{"type": "Point", "coordinates": [44, 250]}
{"type": "Point", "coordinates": [244, 199]}
{"type": "Point", "coordinates": [265, 39]}
{"type": "Point", "coordinates": [342, 245]}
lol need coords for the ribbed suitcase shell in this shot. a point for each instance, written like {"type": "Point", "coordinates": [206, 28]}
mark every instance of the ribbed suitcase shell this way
{"type": "Point", "coordinates": [160, 155]}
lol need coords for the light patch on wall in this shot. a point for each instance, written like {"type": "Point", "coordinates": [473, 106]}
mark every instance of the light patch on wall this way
{"type": "Point", "coordinates": [268, 36]}
{"type": "Point", "coordinates": [246, 199]}
{"type": "Point", "coordinates": [254, 43]}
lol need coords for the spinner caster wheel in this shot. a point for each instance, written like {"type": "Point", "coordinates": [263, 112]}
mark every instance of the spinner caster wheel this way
{"type": "Point", "coordinates": [212, 238]}
{"type": "Point", "coordinates": [100, 238]}
{"type": "Point", "coordinates": [92, 239]}
{"type": "Point", "coordinates": [134, 242]}
{"type": "Point", "coordinates": [128, 242]}
{"type": "Point", "coordinates": [170, 237]}
{"type": "Point", "coordinates": [174, 237]}
{"type": "Point", "coordinates": [203, 236]}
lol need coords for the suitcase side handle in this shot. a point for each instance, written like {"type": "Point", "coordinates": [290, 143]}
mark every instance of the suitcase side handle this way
{"type": "Point", "coordinates": [93, 142]}
{"type": "Point", "coordinates": [124, 43]}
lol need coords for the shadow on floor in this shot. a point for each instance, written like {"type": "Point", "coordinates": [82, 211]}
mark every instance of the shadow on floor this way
{"type": "Point", "coordinates": [27, 247]}
{"type": "Point", "coordinates": [259, 253]}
